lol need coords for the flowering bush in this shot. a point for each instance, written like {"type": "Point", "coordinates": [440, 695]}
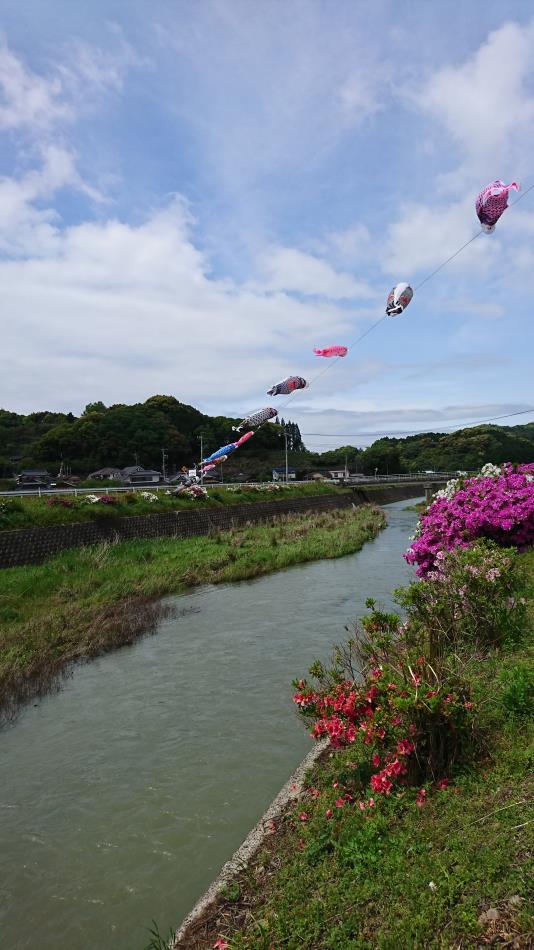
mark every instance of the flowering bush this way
{"type": "Point", "coordinates": [497, 504]}
{"type": "Point", "coordinates": [409, 719]}
{"type": "Point", "coordinates": [473, 599]}
{"type": "Point", "coordinates": [190, 491]}
{"type": "Point", "coordinates": [101, 499]}
{"type": "Point", "coordinates": [60, 501]}
{"type": "Point", "coordinates": [148, 496]}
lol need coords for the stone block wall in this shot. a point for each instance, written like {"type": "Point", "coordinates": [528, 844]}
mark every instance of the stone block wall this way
{"type": "Point", "coordinates": [35, 545]}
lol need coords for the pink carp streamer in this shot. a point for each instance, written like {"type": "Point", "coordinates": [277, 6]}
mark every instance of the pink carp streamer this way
{"type": "Point", "coordinates": [332, 351]}
{"type": "Point", "coordinates": [492, 202]}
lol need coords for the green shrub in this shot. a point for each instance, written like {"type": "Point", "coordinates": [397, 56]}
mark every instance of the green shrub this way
{"type": "Point", "coordinates": [472, 601]}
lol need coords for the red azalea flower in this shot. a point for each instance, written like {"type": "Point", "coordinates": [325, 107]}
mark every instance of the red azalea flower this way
{"type": "Point", "coordinates": [329, 813]}
{"type": "Point", "coordinates": [405, 747]}
{"type": "Point", "coordinates": [444, 783]}
{"type": "Point", "coordinates": [376, 760]}
{"type": "Point", "coordinates": [304, 816]}
{"type": "Point", "coordinates": [421, 797]}
{"type": "Point", "coordinates": [340, 802]}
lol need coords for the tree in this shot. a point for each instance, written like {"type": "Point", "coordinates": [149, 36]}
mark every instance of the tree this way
{"type": "Point", "coordinates": [93, 407]}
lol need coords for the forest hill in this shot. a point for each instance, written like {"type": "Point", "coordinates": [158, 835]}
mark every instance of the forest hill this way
{"type": "Point", "coordinates": [123, 435]}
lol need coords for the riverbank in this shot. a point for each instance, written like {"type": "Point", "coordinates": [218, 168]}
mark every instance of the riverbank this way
{"type": "Point", "coordinates": [86, 602]}
{"type": "Point", "coordinates": [453, 869]}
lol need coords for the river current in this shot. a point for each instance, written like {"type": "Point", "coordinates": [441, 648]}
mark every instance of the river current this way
{"type": "Point", "coordinates": [123, 794]}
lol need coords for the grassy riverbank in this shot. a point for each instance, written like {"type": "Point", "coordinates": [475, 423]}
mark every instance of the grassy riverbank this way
{"type": "Point", "coordinates": [35, 512]}
{"type": "Point", "coordinates": [90, 600]}
{"type": "Point", "coordinates": [455, 872]}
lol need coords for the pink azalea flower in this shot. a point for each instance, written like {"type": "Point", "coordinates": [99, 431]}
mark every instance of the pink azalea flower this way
{"type": "Point", "coordinates": [304, 816]}
{"type": "Point", "coordinates": [221, 944]}
{"type": "Point", "coordinates": [329, 813]}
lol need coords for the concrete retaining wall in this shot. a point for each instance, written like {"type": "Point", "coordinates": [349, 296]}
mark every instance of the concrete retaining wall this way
{"type": "Point", "coordinates": [35, 545]}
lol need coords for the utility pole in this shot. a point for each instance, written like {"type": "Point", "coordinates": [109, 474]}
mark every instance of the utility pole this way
{"type": "Point", "coordinates": [163, 458]}
{"type": "Point", "coordinates": [346, 469]}
{"type": "Point", "coordinates": [285, 439]}
{"type": "Point", "coordinates": [201, 457]}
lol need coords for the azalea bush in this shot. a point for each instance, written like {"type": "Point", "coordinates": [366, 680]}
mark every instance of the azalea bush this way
{"type": "Point", "coordinates": [497, 504]}
{"type": "Point", "coordinates": [60, 501]}
{"type": "Point", "coordinates": [409, 720]}
{"type": "Point", "coordinates": [471, 601]}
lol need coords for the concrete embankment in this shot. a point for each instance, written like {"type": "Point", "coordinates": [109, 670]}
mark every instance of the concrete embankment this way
{"type": "Point", "coordinates": [35, 545]}
{"type": "Point", "coordinates": [201, 917]}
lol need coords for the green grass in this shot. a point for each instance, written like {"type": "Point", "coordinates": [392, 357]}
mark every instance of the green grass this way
{"type": "Point", "coordinates": [403, 877]}
{"type": "Point", "coordinates": [90, 600]}
{"type": "Point", "coordinates": [32, 511]}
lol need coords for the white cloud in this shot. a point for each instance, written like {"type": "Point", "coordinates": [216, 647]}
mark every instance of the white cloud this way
{"type": "Point", "coordinates": [37, 103]}
{"type": "Point", "coordinates": [286, 268]}
{"type": "Point", "coordinates": [28, 100]}
{"type": "Point", "coordinates": [486, 105]}
{"type": "Point", "coordinates": [125, 311]}
{"type": "Point", "coordinates": [424, 235]}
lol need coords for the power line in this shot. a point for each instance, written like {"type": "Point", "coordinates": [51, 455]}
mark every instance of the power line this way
{"type": "Point", "coordinates": [456, 425]}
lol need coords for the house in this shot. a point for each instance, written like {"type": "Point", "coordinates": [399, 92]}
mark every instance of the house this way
{"type": "Point", "coordinates": [108, 474]}
{"type": "Point", "coordinates": [279, 474]}
{"type": "Point", "coordinates": [338, 473]}
{"type": "Point", "coordinates": [137, 475]}
{"type": "Point", "coordinates": [33, 478]}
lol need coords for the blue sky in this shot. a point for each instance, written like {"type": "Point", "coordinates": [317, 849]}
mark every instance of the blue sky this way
{"type": "Point", "coordinates": [195, 194]}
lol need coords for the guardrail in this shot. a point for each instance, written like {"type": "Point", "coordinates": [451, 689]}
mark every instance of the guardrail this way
{"type": "Point", "coordinates": [351, 480]}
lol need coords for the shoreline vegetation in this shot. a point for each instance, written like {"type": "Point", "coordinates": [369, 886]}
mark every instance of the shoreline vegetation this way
{"type": "Point", "coordinates": [450, 868]}
{"type": "Point", "coordinates": [88, 601]}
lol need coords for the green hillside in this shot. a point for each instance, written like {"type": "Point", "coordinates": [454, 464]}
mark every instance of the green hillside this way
{"type": "Point", "coordinates": [123, 435]}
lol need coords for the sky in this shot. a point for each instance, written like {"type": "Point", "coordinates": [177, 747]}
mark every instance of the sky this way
{"type": "Point", "coordinates": [196, 193]}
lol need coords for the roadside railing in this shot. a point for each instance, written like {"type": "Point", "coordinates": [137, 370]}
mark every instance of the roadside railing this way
{"type": "Point", "coordinates": [167, 486]}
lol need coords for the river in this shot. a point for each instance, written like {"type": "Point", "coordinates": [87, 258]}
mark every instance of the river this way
{"type": "Point", "coordinates": [123, 794]}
